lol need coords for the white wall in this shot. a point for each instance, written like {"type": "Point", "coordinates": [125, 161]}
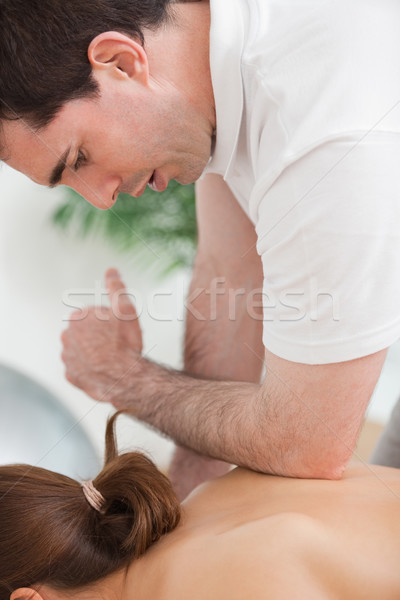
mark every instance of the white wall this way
{"type": "Point", "coordinates": [38, 264]}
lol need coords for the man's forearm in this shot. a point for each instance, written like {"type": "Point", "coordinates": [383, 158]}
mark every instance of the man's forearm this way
{"type": "Point", "coordinates": [220, 419]}
{"type": "Point", "coordinates": [264, 427]}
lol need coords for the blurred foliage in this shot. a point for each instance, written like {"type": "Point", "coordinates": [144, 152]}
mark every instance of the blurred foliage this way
{"type": "Point", "coordinates": [159, 226]}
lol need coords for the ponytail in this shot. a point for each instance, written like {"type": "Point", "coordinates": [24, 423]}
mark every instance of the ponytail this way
{"type": "Point", "coordinates": [51, 534]}
{"type": "Point", "coordinates": [137, 510]}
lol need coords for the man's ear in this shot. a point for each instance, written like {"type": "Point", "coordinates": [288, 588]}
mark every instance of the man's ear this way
{"type": "Point", "coordinates": [120, 54]}
{"type": "Point", "coordinates": [25, 594]}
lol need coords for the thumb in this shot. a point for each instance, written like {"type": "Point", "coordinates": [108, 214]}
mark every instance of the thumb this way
{"type": "Point", "coordinates": [119, 298]}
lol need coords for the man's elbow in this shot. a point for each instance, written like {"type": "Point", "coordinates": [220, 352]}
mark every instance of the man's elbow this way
{"type": "Point", "coordinates": [322, 463]}
{"type": "Point", "coordinates": [316, 463]}
{"type": "Point", "coordinates": [333, 470]}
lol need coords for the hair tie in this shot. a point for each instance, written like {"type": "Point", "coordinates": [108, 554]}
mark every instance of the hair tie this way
{"type": "Point", "coordinates": [93, 496]}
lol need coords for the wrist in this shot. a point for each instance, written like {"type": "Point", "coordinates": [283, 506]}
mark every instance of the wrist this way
{"type": "Point", "coordinates": [127, 390]}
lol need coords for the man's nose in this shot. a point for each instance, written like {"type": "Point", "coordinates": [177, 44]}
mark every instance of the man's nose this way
{"type": "Point", "coordinates": [101, 193]}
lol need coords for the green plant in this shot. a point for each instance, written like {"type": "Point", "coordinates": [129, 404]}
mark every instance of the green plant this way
{"type": "Point", "coordinates": [160, 226]}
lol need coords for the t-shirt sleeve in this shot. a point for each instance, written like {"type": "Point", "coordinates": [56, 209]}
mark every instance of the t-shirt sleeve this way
{"type": "Point", "coordinates": [329, 236]}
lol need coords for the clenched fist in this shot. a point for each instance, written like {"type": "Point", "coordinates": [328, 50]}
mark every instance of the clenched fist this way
{"type": "Point", "coordinates": [102, 346]}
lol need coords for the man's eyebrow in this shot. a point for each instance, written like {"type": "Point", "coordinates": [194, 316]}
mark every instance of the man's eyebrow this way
{"type": "Point", "coordinates": [56, 174]}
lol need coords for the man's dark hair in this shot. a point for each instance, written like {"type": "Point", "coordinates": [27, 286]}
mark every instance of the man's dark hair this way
{"type": "Point", "coordinates": [44, 44]}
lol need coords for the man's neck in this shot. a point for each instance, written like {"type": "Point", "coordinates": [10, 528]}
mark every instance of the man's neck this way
{"type": "Point", "coordinates": [178, 55]}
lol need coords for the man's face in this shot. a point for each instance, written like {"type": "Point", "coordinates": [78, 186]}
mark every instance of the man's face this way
{"type": "Point", "coordinates": [118, 142]}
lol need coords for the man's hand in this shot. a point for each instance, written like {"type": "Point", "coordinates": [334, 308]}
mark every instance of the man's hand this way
{"type": "Point", "coordinates": [101, 344]}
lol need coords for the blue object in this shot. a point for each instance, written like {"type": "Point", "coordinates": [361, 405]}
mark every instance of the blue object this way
{"type": "Point", "coordinates": [35, 428]}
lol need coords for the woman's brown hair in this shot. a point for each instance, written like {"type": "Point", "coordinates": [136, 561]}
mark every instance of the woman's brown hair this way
{"type": "Point", "coordinates": [50, 534]}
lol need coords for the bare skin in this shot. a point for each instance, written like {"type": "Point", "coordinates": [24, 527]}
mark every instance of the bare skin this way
{"type": "Point", "coordinates": [282, 538]}
{"type": "Point", "coordinates": [248, 535]}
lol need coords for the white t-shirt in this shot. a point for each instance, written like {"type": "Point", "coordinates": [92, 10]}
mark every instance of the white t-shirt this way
{"type": "Point", "coordinates": [308, 139]}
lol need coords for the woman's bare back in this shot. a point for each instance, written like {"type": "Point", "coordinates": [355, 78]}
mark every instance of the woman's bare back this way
{"type": "Point", "coordinates": [252, 536]}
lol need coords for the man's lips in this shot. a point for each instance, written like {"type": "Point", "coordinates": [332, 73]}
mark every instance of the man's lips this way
{"type": "Point", "coordinates": [156, 181]}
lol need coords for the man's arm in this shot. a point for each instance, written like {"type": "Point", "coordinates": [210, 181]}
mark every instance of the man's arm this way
{"type": "Point", "coordinates": [303, 421]}
{"type": "Point", "coordinates": [224, 323]}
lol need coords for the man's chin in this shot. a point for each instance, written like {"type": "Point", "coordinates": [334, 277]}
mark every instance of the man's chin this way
{"type": "Point", "coordinates": [184, 180]}
{"type": "Point", "coordinates": [192, 176]}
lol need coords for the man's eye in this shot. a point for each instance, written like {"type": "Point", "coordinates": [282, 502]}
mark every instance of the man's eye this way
{"type": "Point", "coordinates": [81, 159]}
